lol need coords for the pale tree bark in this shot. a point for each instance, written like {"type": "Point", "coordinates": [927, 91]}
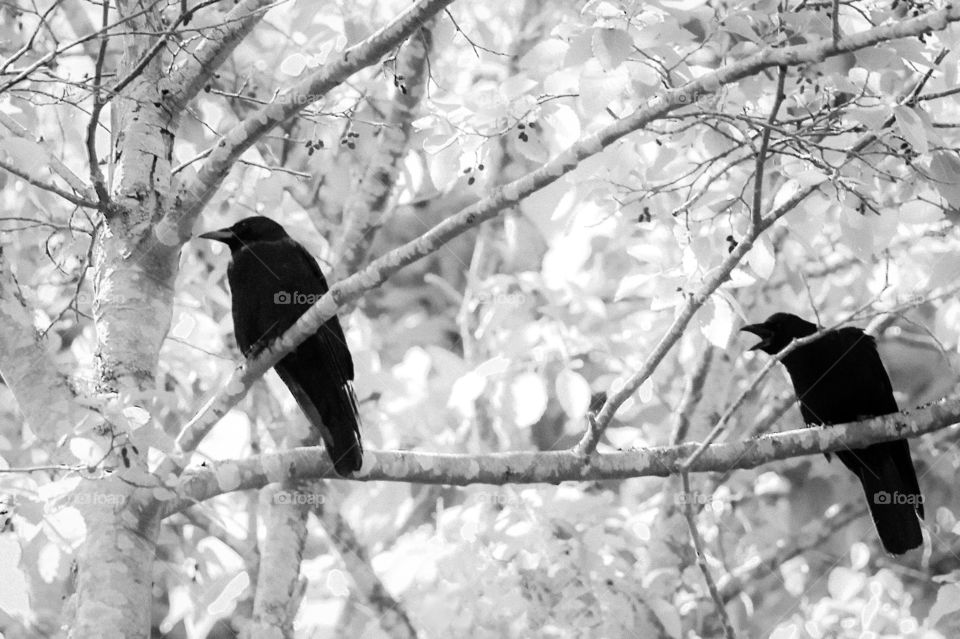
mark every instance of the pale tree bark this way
{"type": "Point", "coordinates": [553, 467]}
{"type": "Point", "coordinates": [133, 278]}
{"type": "Point", "coordinates": [364, 211]}
{"type": "Point", "coordinates": [279, 587]}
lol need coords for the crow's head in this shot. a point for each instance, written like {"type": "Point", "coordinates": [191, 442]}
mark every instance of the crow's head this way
{"type": "Point", "coordinates": [246, 231]}
{"type": "Point", "coordinates": [779, 330]}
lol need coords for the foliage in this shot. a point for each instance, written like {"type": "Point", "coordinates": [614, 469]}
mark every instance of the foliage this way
{"type": "Point", "coordinates": [504, 338]}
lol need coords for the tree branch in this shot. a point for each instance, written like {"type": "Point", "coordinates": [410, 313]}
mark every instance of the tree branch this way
{"type": "Point", "coordinates": [188, 79]}
{"type": "Point", "coordinates": [506, 196]}
{"type": "Point", "coordinates": [363, 211]}
{"type": "Point", "coordinates": [86, 197]}
{"type": "Point", "coordinates": [42, 392]}
{"type": "Point", "coordinates": [198, 191]}
{"type": "Point", "coordinates": [554, 467]}
{"type": "Point", "coordinates": [782, 58]}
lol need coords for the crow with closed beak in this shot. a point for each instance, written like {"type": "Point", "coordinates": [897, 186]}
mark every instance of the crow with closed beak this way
{"type": "Point", "coordinates": [839, 378]}
{"type": "Point", "coordinates": [273, 281]}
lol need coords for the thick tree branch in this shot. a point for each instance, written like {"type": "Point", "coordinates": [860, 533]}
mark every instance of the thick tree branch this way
{"type": "Point", "coordinates": [553, 467]}
{"type": "Point", "coordinates": [505, 196]}
{"type": "Point", "coordinates": [364, 210]}
{"type": "Point", "coordinates": [279, 587]}
{"type": "Point", "coordinates": [218, 43]}
{"type": "Point", "coordinates": [288, 103]}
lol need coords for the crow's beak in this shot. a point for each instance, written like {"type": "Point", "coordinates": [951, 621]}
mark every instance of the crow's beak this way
{"type": "Point", "coordinates": [223, 235]}
{"type": "Point", "coordinates": [761, 331]}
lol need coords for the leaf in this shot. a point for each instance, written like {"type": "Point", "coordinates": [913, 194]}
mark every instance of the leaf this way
{"type": "Point", "coordinates": [598, 87]}
{"type": "Point", "coordinates": [844, 583]}
{"type": "Point", "coordinates": [293, 65]}
{"type": "Point", "coordinates": [761, 258]}
{"type": "Point", "coordinates": [13, 595]}
{"type": "Point", "coordinates": [948, 602]}
{"type": "Point", "coordinates": [719, 327]}
{"type": "Point", "coordinates": [529, 394]}
{"type": "Point", "coordinates": [465, 392]}
{"type": "Point", "coordinates": [573, 393]}
{"type": "Point", "coordinates": [611, 47]}
{"type": "Point", "coordinates": [645, 392]}
{"type": "Point", "coordinates": [444, 165]}
{"type": "Point", "coordinates": [26, 155]}
{"type": "Point", "coordinates": [911, 128]}
{"type": "Point", "coordinates": [544, 58]}
{"type": "Point", "coordinates": [945, 171]}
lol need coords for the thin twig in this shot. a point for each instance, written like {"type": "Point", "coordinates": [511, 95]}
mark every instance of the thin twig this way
{"type": "Point", "coordinates": [702, 558]}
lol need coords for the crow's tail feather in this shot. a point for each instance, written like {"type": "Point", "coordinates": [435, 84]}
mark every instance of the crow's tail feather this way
{"type": "Point", "coordinates": [331, 409]}
{"type": "Point", "coordinates": [893, 495]}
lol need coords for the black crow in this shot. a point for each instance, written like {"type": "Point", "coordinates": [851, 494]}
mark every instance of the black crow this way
{"type": "Point", "coordinates": [840, 378]}
{"type": "Point", "coordinates": [274, 280]}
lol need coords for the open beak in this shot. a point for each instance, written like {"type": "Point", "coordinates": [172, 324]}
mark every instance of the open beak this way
{"type": "Point", "coordinates": [761, 331]}
{"type": "Point", "coordinates": [223, 235]}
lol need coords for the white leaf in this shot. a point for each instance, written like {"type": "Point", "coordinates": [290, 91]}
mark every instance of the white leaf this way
{"type": "Point", "coordinates": [294, 64]}
{"type": "Point", "coordinates": [598, 87]}
{"type": "Point", "coordinates": [573, 393]}
{"type": "Point", "coordinates": [444, 166]}
{"type": "Point", "coordinates": [719, 327]}
{"type": "Point", "coordinates": [465, 392]}
{"type": "Point", "coordinates": [337, 583]}
{"type": "Point", "coordinates": [645, 392]}
{"type": "Point", "coordinates": [945, 171]}
{"type": "Point", "coordinates": [948, 601]}
{"type": "Point", "coordinates": [761, 258]}
{"type": "Point", "coordinates": [611, 46]}
{"type": "Point", "coordinates": [493, 366]}
{"type": "Point", "coordinates": [529, 393]}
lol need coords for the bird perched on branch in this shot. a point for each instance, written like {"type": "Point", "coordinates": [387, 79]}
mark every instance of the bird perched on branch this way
{"type": "Point", "coordinates": [840, 378]}
{"type": "Point", "coordinates": [273, 281]}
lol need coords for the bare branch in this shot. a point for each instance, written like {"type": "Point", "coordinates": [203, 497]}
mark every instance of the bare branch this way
{"type": "Point", "coordinates": [692, 391]}
{"type": "Point", "coordinates": [42, 393]}
{"type": "Point", "coordinates": [288, 103]}
{"type": "Point", "coordinates": [691, 518]}
{"type": "Point", "coordinates": [86, 195]}
{"type": "Point", "coordinates": [26, 177]}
